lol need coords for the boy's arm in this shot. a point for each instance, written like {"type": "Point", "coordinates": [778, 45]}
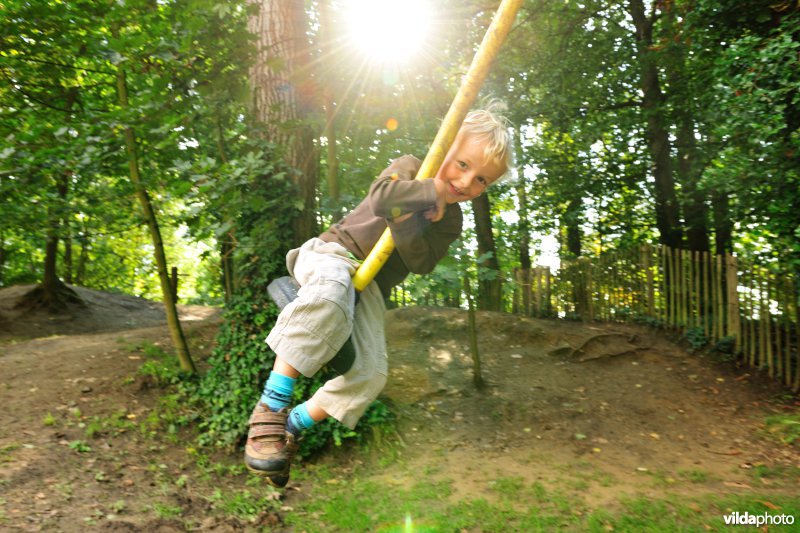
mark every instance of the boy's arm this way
{"type": "Point", "coordinates": [409, 207]}
{"type": "Point", "coordinates": [421, 244]}
{"type": "Point", "coordinates": [396, 193]}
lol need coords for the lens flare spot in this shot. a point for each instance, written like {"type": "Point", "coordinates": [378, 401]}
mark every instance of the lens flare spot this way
{"type": "Point", "coordinates": [392, 124]}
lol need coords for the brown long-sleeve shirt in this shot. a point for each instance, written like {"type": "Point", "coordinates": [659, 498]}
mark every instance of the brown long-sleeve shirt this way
{"type": "Point", "coordinates": [419, 243]}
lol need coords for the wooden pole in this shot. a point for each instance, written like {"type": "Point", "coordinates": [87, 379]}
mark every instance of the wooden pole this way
{"type": "Point", "coordinates": [732, 284]}
{"type": "Point", "coordinates": [752, 325]}
{"type": "Point", "coordinates": [768, 324]}
{"type": "Point", "coordinates": [706, 264]}
{"type": "Point", "coordinates": [539, 289]}
{"type": "Point", "coordinates": [589, 291]}
{"type": "Point", "coordinates": [548, 285]}
{"type": "Point", "coordinates": [648, 272]}
{"type": "Point", "coordinates": [477, 377]}
{"type": "Point", "coordinates": [762, 333]}
{"type": "Point", "coordinates": [467, 93]}
{"type": "Point", "coordinates": [787, 326]}
{"type": "Point", "coordinates": [720, 311]}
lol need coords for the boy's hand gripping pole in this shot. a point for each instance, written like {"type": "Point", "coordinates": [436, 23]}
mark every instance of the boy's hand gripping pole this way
{"type": "Point", "coordinates": [470, 85]}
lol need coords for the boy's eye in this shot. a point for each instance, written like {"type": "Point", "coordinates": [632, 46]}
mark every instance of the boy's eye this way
{"type": "Point", "coordinates": [462, 164]}
{"type": "Point", "coordinates": [482, 180]}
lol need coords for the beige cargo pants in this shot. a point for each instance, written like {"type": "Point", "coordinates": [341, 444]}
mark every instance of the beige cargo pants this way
{"type": "Point", "coordinates": [311, 329]}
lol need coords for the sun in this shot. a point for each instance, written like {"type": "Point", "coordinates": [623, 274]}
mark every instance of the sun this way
{"type": "Point", "coordinates": [387, 31]}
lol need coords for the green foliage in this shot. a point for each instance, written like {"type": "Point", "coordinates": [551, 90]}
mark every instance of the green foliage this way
{"type": "Point", "coordinates": [725, 345]}
{"type": "Point", "coordinates": [696, 337]}
{"type": "Point", "coordinates": [245, 504]}
{"type": "Point", "coordinates": [785, 427]}
{"type": "Point", "coordinates": [79, 446]}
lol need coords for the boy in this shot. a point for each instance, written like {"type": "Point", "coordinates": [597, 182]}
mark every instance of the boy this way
{"type": "Point", "coordinates": [424, 218]}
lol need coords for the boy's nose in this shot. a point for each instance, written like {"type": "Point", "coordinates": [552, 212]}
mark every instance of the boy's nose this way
{"type": "Point", "coordinates": [467, 180]}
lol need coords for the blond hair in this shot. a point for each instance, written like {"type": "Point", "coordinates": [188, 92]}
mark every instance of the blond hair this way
{"type": "Point", "coordinates": [489, 126]}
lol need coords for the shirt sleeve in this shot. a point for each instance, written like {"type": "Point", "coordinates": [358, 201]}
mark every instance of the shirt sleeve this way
{"type": "Point", "coordinates": [395, 192]}
{"type": "Point", "coordinates": [421, 244]}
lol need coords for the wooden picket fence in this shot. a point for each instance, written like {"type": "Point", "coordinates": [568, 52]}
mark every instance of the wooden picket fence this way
{"type": "Point", "coordinates": [748, 307]}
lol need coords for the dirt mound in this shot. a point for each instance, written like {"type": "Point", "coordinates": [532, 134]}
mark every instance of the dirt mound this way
{"type": "Point", "coordinates": [624, 401]}
{"type": "Point", "coordinates": [101, 312]}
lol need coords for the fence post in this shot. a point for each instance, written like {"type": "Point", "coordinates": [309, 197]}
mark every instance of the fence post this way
{"type": "Point", "coordinates": [706, 275]}
{"type": "Point", "coordinates": [539, 289]}
{"type": "Point", "coordinates": [732, 284]}
{"type": "Point", "coordinates": [548, 287]}
{"type": "Point", "coordinates": [587, 296]}
{"type": "Point", "coordinates": [720, 310]}
{"type": "Point", "coordinates": [173, 284]}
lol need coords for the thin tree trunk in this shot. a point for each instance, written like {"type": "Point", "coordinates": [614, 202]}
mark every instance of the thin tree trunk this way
{"type": "Point", "coordinates": [281, 90]}
{"type": "Point", "coordinates": [524, 225]}
{"type": "Point", "coordinates": [3, 255]}
{"type": "Point", "coordinates": [63, 193]}
{"type": "Point", "coordinates": [83, 258]}
{"type": "Point", "coordinates": [173, 323]}
{"type": "Point", "coordinates": [490, 296]}
{"type": "Point", "coordinates": [477, 374]}
{"type": "Point", "coordinates": [689, 167]}
{"type": "Point", "coordinates": [667, 214]}
{"type": "Point", "coordinates": [227, 246]}
{"type": "Point", "coordinates": [328, 46]}
{"type": "Point", "coordinates": [723, 226]}
{"type": "Point", "coordinates": [571, 221]}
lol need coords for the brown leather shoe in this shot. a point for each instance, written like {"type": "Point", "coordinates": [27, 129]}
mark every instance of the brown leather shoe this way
{"type": "Point", "coordinates": [270, 448]}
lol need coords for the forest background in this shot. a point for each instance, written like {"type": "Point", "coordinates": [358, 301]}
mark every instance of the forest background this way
{"type": "Point", "coordinates": [143, 135]}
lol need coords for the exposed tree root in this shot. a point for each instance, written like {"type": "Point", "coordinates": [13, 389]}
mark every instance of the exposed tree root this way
{"type": "Point", "coordinates": [581, 353]}
{"type": "Point", "coordinates": [53, 301]}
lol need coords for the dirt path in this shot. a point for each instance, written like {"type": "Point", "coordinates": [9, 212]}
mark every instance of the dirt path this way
{"type": "Point", "coordinates": [604, 410]}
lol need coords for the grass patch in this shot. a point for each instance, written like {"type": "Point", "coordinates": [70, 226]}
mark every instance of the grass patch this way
{"type": "Point", "coordinates": [355, 504]}
{"type": "Point", "coordinates": [785, 427]}
{"type": "Point", "coordinates": [165, 511]}
{"type": "Point", "coordinates": [245, 504]}
{"type": "Point", "coordinates": [5, 452]}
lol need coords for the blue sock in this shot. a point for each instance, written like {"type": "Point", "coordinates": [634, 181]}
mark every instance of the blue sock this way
{"type": "Point", "coordinates": [278, 391]}
{"type": "Point", "coordinates": [299, 419]}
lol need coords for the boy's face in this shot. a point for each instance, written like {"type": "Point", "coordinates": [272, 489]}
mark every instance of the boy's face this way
{"type": "Point", "coordinates": [465, 172]}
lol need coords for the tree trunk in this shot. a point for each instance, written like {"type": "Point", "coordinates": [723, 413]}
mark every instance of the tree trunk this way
{"type": "Point", "coordinates": [490, 296]}
{"type": "Point", "coordinates": [690, 168]}
{"type": "Point", "coordinates": [723, 226]}
{"type": "Point", "coordinates": [50, 281]}
{"type": "Point", "coordinates": [3, 256]}
{"type": "Point", "coordinates": [63, 193]}
{"type": "Point", "coordinates": [524, 225]}
{"type": "Point", "coordinates": [657, 134]}
{"type": "Point", "coordinates": [329, 51]}
{"type": "Point", "coordinates": [571, 222]}
{"type": "Point", "coordinates": [83, 258]}
{"type": "Point", "coordinates": [281, 89]}
{"type": "Point", "coordinates": [477, 373]}
{"type": "Point", "coordinates": [173, 323]}
{"type": "Point", "coordinates": [227, 246]}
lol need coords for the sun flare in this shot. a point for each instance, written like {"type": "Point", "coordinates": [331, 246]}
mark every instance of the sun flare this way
{"type": "Point", "coordinates": [387, 31]}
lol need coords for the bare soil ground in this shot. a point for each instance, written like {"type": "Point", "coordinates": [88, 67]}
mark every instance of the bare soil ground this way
{"type": "Point", "coordinates": [607, 410]}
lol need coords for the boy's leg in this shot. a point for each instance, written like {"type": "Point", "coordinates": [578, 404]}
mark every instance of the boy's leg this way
{"type": "Point", "coordinates": [275, 431]}
{"type": "Point", "coordinates": [347, 397]}
{"type": "Point", "coordinates": [311, 329]}
{"type": "Point", "coordinates": [309, 332]}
